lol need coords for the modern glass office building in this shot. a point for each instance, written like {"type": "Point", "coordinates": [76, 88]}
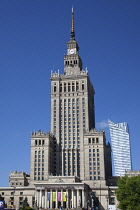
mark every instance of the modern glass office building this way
{"type": "Point", "coordinates": [120, 140]}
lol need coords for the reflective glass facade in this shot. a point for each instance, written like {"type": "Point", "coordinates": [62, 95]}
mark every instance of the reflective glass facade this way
{"type": "Point", "coordinates": [120, 140]}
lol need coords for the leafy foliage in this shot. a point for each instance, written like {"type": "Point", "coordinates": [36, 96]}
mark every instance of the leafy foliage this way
{"type": "Point", "coordinates": [128, 193]}
{"type": "Point", "coordinates": [25, 205]}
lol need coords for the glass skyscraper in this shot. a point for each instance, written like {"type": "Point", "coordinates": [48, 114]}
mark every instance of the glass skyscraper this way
{"type": "Point", "coordinates": [120, 140]}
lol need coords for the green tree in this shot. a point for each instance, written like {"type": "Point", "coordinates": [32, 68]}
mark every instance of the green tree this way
{"type": "Point", "coordinates": [128, 193]}
{"type": "Point", "coordinates": [25, 205]}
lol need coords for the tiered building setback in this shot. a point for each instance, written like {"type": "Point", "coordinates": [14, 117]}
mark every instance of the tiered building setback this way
{"type": "Point", "coordinates": [71, 164]}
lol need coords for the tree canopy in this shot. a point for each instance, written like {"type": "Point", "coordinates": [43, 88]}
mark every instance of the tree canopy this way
{"type": "Point", "coordinates": [128, 193]}
{"type": "Point", "coordinates": [25, 205]}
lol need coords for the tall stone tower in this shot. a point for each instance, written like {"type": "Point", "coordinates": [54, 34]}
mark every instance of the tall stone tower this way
{"type": "Point", "coordinates": [73, 147]}
{"type": "Point", "coordinates": [72, 110]}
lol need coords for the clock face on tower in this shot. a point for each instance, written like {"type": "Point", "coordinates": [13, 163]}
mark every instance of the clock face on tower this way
{"type": "Point", "coordinates": [72, 51]}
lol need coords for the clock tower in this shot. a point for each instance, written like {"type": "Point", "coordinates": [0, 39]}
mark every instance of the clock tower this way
{"type": "Point", "coordinates": [72, 111]}
{"type": "Point", "coordinates": [72, 61]}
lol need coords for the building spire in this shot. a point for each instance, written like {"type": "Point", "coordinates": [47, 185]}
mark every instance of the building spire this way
{"type": "Point", "coordinates": [72, 26]}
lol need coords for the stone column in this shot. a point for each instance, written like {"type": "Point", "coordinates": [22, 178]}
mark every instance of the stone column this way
{"type": "Point", "coordinates": [77, 198]}
{"type": "Point", "coordinates": [67, 197]}
{"type": "Point", "coordinates": [83, 198]}
{"type": "Point", "coordinates": [62, 198]}
{"type": "Point", "coordinates": [51, 198]}
{"type": "Point", "coordinates": [75, 193]}
{"type": "Point", "coordinates": [40, 199]}
{"type": "Point", "coordinates": [56, 203]}
{"type": "Point", "coordinates": [45, 199]}
{"type": "Point", "coordinates": [37, 197]}
{"type": "Point", "coordinates": [72, 198]}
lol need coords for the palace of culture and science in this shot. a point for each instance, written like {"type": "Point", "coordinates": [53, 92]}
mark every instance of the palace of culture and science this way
{"type": "Point", "coordinates": [70, 167]}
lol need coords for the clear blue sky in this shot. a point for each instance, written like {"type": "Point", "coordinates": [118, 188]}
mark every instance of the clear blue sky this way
{"type": "Point", "coordinates": [33, 36]}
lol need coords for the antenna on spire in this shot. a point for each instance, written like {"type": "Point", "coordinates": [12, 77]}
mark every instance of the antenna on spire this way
{"type": "Point", "coordinates": [72, 25]}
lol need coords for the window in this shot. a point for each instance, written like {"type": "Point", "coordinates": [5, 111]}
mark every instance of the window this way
{"type": "Point", "coordinates": [21, 193]}
{"type": "Point", "coordinates": [93, 140]}
{"type": "Point", "coordinates": [60, 87]}
{"type": "Point", "coordinates": [73, 86]}
{"type": "Point", "coordinates": [112, 193]}
{"type": "Point", "coordinates": [112, 200]}
{"type": "Point", "coordinates": [97, 140]}
{"type": "Point", "coordinates": [68, 87]}
{"type": "Point", "coordinates": [82, 85]}
{"type": "Point", "coordinates": [55, 87]}
{"type": "Point", "coordinates": [77, 86]}
{"type": "Point", "coordinates": [64, 87]}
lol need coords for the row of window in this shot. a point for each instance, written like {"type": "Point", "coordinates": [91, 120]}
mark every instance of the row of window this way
{"type": "Point", "coordinates": [94, 159]}
{"type": "Point", "coordinates": [95, 178]}
{"type": "Point", "coordinates": [38, 178]}
{"type": "Point", "coordinates": [39, 173]}
{"type": "Point", "coordinates": [94, 168]}
{"type": "Point", "coordinates": [38, 165]}
{"type": "Point", "coordinates": [39, 142]}
{"type": "Point", "coordinates": [90, 150]}
{"type": "Point", "coordinates": [39, 152]}
{"type": "Point", "coordinates": [39, 169]}
{"type": "Point", "coordinates": [94, 173]}
{"type": "Point", "coordinates": [39, 160]}
{"type": "Point", "coordinates": [90, 155]}
{"type": "Point", "coordinates": [17, 183]}
{"type": "Point", "coordinates": [69, 87]}
{"type": "Point", "coordinates": [68, 102]}
{"type": "Point", "coordinates": [93, 140]}
{"type": "Point", "coordinates": [12, 193]}
{"type": "Point", "coordinates": [73, 62]}
{"type": "Point", "coordinates": [39, 156]}
{"type": "Point", "coordinates": [94, 163]}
